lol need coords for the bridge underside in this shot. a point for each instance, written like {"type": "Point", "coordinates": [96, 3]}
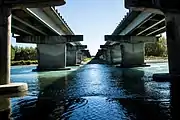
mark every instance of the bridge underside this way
{"type": "Point", "coordinates": [171, 11]}
{"type": "Point", "coordinates": [170, 19]}
{"type": "Point", "coordinates": [30, 22]}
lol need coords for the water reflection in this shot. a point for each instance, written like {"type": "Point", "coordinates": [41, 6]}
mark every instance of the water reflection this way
{"type": "Point", "coordinates": [175, 92]}
{"type": "Point", "coordinates": [94, 92]}
{"type": "Point", "coordinates": [5, 109]}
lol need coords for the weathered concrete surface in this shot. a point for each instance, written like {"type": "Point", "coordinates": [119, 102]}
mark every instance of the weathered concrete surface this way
{"type": "Point", "coordinates": [71, 57]}
{"type": "Point", "coordinates": [116, 54]}
{"type": "Point", "coordinates": [173, 43]}
{"type": "Point", "coordinates": [130, 39]}
{"type": "Point", "coordinates": [32, 3]}
{"type": "Point", "coordinates": [50, 39]}
{"type": "Point", "coordinates": [79, 57]}
{"type": "Point", "coordinates": [132, 54]}
{"type": "Point", "coordinates": [108, 56]}
{"type": "Point", "coordinates": [51, 56]}
{"type": "Point", "coordinates": [13, 88]}
{"type": "Point", "coordinates": [155, 6]}
{"type": "Point", "coordinates": [5, 44]}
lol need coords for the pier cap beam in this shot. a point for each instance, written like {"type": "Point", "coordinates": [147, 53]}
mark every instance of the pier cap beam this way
{"type": "Point", "coordinates": [106, 46]}
{"type": "Point", "coordinates": [32, 3]}
{"type": "Point", "coordinates": [77, 47]}
{"type": "Point", "coordinates": [49, 39]}
{"type": "Point", "coordinates": [130, 39]}
{"type": "Point", "coordinates": [153, 5]}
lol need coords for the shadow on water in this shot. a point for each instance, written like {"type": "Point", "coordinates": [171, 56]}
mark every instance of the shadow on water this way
{"type": "Point", "coordinates": [96, 91]}
{"type": "Point", "coordinates": [5, 109]}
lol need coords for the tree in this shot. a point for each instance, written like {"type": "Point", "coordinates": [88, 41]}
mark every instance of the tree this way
{"type": "Point", "coordinates": [156, 49]}
{"type": "Point", "coordinates": [12, 53]}
{"type": "Point", "coordinates": [27, 53]}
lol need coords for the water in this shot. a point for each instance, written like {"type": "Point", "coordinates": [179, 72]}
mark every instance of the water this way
{"type": "Point", "coordinates": [91, 92]}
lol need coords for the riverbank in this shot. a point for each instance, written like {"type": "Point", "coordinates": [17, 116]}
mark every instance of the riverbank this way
{"type": "Point", "coordinates": [24, 62]}
{"type": "Point", "coordinates": [154, 59]}
{"type": "Point", "coordinates": [35, 62]}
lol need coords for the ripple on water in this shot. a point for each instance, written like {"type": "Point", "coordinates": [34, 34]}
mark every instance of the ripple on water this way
{"type": "Point", "coordinates": [65, 108]}
{"type": "Point", "coordinates": [92, 92]}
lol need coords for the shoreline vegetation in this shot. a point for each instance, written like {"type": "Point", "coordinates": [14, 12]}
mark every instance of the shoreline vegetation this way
{"type": "Point", "coordinates": [155, 59]}
{"type": "Point", "coordinates": [148, 59]}
{"type": "Point", "coordinates": [24, 62]}
{"type": "Point", "coordinates": [35, 62]}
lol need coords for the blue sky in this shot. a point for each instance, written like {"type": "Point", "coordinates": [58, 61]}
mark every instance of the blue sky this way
{"type": "Point", "coordinates": [91, 18]}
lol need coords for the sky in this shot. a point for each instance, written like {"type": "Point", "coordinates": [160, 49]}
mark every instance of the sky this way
{"type": "Point", "coordinates": [91, 18]}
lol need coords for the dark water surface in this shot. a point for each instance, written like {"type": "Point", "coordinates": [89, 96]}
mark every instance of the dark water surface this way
{"type": "Point", "coordinates": [91, 92]}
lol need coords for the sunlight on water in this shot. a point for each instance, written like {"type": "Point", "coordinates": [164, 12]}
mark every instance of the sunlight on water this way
{"type": "Point", "coordinates": [92, 91]}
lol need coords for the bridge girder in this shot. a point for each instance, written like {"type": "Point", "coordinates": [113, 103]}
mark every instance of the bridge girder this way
{"type": "Point", "coordinates": [31, 3]}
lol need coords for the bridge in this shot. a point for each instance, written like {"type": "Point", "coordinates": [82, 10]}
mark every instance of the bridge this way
{"type": "Point", "coordinates": [126, 44]}
{"type": "Point", "coordinates": [144, 21]}
{"type": "Point", "coordinates": [37, 22]}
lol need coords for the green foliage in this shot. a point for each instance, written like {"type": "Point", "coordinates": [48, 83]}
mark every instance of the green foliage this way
{"type": "Point", "coordinates": [87, 59]}
{"type": "Point", "coordinates": [156, 49]}
{"type": "Point", "coordinates": [12, 53]}
{"type": "Point", "coordinates": [24, 62]}
{"type": "Point", "coordinates": [27, 53]}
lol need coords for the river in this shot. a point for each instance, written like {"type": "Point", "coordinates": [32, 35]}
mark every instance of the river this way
{"type": "Point", "coordinates": [92, 92]}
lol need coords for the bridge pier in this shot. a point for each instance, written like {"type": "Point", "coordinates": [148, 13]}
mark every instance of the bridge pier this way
{"type": "Point", "coordinates": [79, 57]}
{"type": "Point", "coordinates": [112, 53]}
{"type": "Point", "coordinates": [107, 53]}
{"type": "Point", "coordinates": [116, 55]}
{"type": "Point", "coordinates": [173, 43]}
{"type": "Point", "coordinates": [5, 44]}
{"type": "Point", "coordinates": [108, 56]}
{"type": "Point", "coordinates": [132, 54]}
{"type": "Point", "coordinates": [51, 50]}
{"type": "Point", "coordinates": [51, 57]}
{"type": "Point", "coordinates": [71, 57]}
{"type": "Point", "coordinates": [5, 51]}
{"type": "Point", "coordinates": [132, 48]}
{"type": "Point", "coordinates": [74, 54]}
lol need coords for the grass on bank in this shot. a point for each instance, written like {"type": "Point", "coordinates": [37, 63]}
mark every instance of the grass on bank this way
{"type": "Point", "coordinates": [24, 62]}
{"type": "Point", "coordinates": [87, 59]}
{"type": "Point", "coordinates": [155, 58]}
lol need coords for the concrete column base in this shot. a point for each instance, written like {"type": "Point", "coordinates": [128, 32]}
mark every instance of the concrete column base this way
{"type": "Point", "coordinates": [13, 88]}
{"type": "Point", "coordinates": [50, 69]}
{"type": "Point", "coordinates": [131, 66]}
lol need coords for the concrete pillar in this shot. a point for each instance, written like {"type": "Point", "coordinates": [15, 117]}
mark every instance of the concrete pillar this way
{"type": "Point", "coordinates": [51, 56]}
{"type": "Point", "coordinates": [79, 57]}
{"type": "Point", "coordinates": [132, 54]}
{"type": "Point", "coordinates": [5, 44]}
{"type": "Point", "coordinates": [71, 57]}
{"type": "Point", "coordinates": [116, 54]}
{"type": "Point", "coordinates": [108, 56]}
{"type": "Point", "coordinates": [104, 54]}
{"type": "Point", "coordinates": [173, 42]}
